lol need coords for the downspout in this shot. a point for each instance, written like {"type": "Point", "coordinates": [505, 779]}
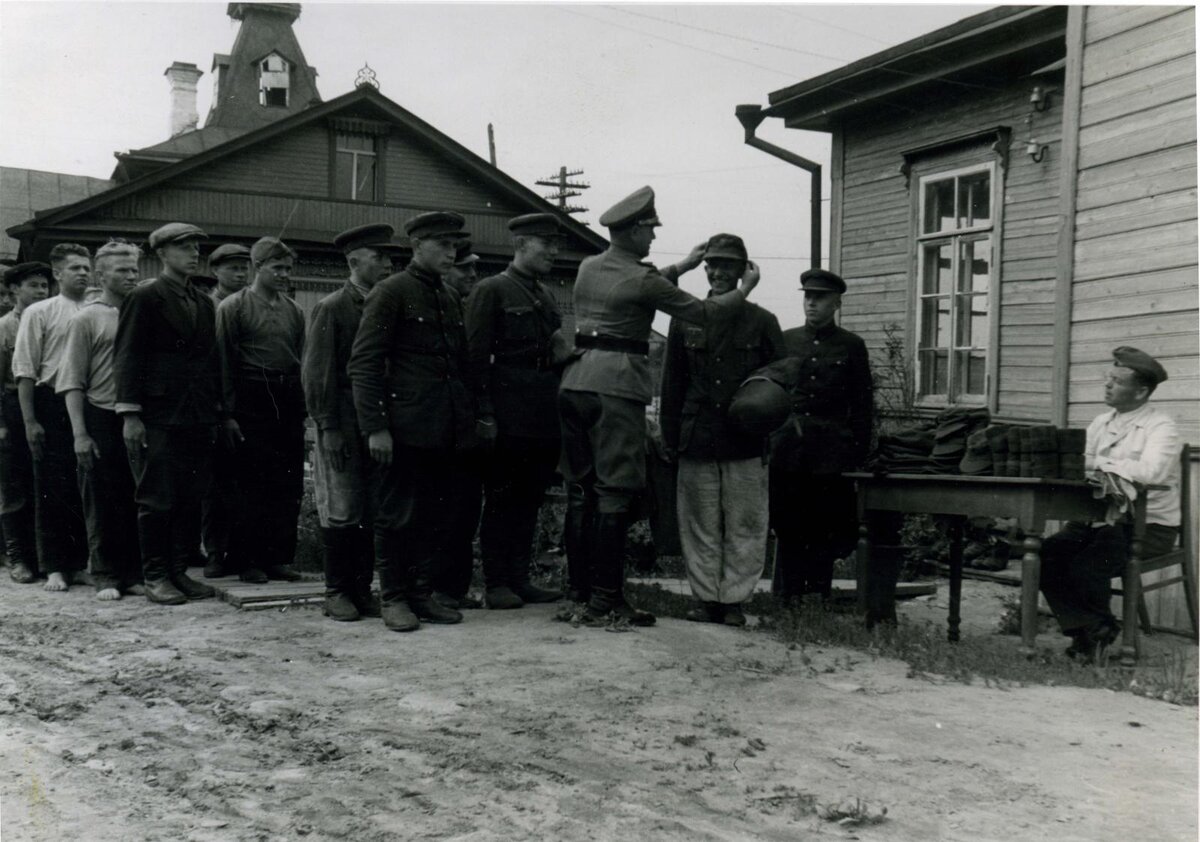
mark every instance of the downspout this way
{"type": "Point", "coordinates": [751, 116]}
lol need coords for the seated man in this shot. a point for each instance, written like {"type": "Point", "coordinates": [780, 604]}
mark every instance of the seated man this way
{"type": "Point", "coordinates": [1136, 442]}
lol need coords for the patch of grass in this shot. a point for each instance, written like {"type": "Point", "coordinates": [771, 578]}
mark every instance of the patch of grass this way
{"type": "Point", "coordinates": [852, 813]}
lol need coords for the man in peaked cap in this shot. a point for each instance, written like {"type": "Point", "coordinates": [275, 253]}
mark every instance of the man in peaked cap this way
{"type": "Point", "coordinates": [230, 264]}
{"type": "Point", "coordinates": [463, 276]}
{"type": "Point", "coordinates": [408, 370]}
{"type": "Point", "coordinates": [812, 506]}
{"type": "Point", "coordinates": [168, 379]}
{"type": "Point", "coordinates": [605, 389]}
{"type": "Point", "coordinates": [1134, 442]}
{"type": "Point", "coordinates": [341, 463]}
{"type": "Point", "coordinates": [512, 320]}
{"type": "Point", "coordinates": [722, 478]}
{"type": "Point", "coordinates": [260, 338]}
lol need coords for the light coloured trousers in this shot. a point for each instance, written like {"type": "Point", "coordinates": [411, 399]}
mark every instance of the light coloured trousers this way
{"type": "Point", "coordinates": [723, 526]}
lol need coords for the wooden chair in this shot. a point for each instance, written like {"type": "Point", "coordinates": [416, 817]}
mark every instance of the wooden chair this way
{"type": "Point", "coordinates": [1133, 590]}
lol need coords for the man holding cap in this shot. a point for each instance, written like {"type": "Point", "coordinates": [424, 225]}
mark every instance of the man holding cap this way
{"type": "Point", "coordinates": [260, 337]}
{"type": "Point", "coordinates": [812, 506]}
{"type": "Point", "coordinates": [340, 459]}
{"type": "Point", "coordinates": [511, 325]}
{"type": "Point", "coordinates": [722, 479]}
{"type": "Point", "coordinates": [1134, 442]}
{"type": "Point", "coordinates": [169, 391]}
{"type": "Point", "coordinates": [605, 389]}
{"type": "Point", "coordinates": [408, 369]}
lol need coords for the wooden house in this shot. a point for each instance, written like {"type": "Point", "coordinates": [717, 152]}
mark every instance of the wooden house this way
{"type": "Point", "coordinates": [1014, 195]}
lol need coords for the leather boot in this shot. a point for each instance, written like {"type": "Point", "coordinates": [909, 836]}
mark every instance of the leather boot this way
{"type": "Point", "coordinates": [339, 545]}
{"type": "Point", "coordinates": [608, 574]}
{"type": "Point", "coordinates": [215, 567]}
{"type": "Point", "coordinates": [498, 595]}
{"type": "Point", "coordinates": [363, 566]}
{"type": "Point", "coordinates": [393, 585]}
{"type": "Point", "coordinates": [577, 530]}
{"type": "Point", "coordinates": [189, 586]}
{"type": "Point", "coordinates": [155, 539]}
{"type": "Point", "coordinates": [421, 601]}
{"type": "Point", "coordinates": [526, 590]}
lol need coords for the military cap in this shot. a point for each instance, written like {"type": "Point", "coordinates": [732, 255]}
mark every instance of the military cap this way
{"type": "Point", "coordinates": [760, 406]}
{"type": "Point", "coordinates": [229, 251]}
{"type": "Point", "coordinates": [205, 282]}
{"type": "Point", "coordinates": [537, 225]}
{"type": "Point", "coordinates": [373, 235]}
{"type": "Point", "coordinates": [21, 271]}
{"type": "Point", "coordinates": [175, 232]}
{"type": "Point", "coordinates": [636, 208]}
{"type": "Point", "coordinates": [463, 256]}
{"type": "Point", "coordinates": [728, 246]}
{"type": "Point", "coordinates": [269, 248]}
{"type": "Point", "coordinates": [821, 280]}
{"type": "Point", "coordinates": [1147, 368]}
{"type": "Point", "coordinates": [436, 224]}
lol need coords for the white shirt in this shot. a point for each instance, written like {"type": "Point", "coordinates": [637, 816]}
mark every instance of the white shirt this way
{"type": "Point", "coordinates": [1143, 447]}
{"type": "Point", "coordinates": [41, 339]}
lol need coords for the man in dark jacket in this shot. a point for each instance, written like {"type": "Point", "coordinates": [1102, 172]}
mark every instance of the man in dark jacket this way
{"type": "Point", "coordinates": [169, 392]}
{"type": "Point", "coordinates": [408, 369]}
{"type": "Point", "coordinates": [511, 325]}
{"type": "Point", "coordinates": [722, 479]}
{"type": "Point", "coordinates": [828, 375]}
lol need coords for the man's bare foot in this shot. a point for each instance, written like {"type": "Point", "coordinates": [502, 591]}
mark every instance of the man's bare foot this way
{"type": "Point", "coordinates": [56, 582]}
{"type": "Point", "coordinates": [108, 594]}
{"type": "Point", "coordinates": [136, 589]}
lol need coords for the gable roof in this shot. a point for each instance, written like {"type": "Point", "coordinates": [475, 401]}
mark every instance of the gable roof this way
{"type": "Point", "coordinates": [24, 192]}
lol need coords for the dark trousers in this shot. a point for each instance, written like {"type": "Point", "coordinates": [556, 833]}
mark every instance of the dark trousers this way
{"type": "Point", "coordinates": [515, 481]}
{"type": "Point", "coordinates": [58, 511]}
{"type": "Point", "coordinates": [16, 487]}
{"type": "Point", "coordinates": [107, 492]}
{"type": "Point", "coordinates": [222, 503]}
{"type": "Point", "coordinates": [452, 576]}
{"type": "Point", "coordinates": [815, 523]}
{"type": "Point", "coordinates": [172, 475]}
{"type": "Point", "coordinates": [1079, 563]}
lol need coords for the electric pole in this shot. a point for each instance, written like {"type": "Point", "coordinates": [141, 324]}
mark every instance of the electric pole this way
{"type": "Point", "coordinates": [565, 189]}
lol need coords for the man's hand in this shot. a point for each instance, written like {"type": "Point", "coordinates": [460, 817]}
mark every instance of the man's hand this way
{"type": "Point", "coordinates": [334, 444]}
{"type": "Point", "coordinates": [379, 444]}
{"type": "Point", "coordinates": [695, 258]}
{"type": "Point", "coordinates": [233, 433]}
{"type": "Point", "coordinates": [134, 433]}
{"type": "Point", "coordinates": [86, 451]}
{"type": "Point", "coordinates": [749, 277]}
{"type": "Point", "coordinates": [485, 429]}
{"type": "Point", "coordinates": [35, 434]}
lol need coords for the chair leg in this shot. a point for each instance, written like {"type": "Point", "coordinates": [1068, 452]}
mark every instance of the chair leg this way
{"type": "Point", "coordinates": [1189, 593]}
{"type": "Point", "coordinates": [1144, 613]}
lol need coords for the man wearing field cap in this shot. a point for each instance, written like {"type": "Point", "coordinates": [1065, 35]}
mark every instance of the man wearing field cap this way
{"type": "Point", "coordinates": [168, 378]}
{"type": "Point", "coordinates": [340, 459]}
{"type": "Point", "coordinates": [408, 369]}
{"type": "Point", "coordinates": [230, 264]}
{"type": "Point", "coordinates": [605, 389]}
{"type": "Point", "coordinates": [829, 430]}
{"type": "Point", "coordinates": [1133, 442]}
{"type": "Point", "coordinates": [722, 479]}
{"type": "Point", "coordinates": [512, 320]}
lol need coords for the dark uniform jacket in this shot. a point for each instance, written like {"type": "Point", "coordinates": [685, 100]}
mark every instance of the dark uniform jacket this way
{"type": "Point", "coordinates": [408, 364]}
{"type": "Point", "coordinates": [165, 359]}
{"type": "Point", "coordinates": [828, 375]}
{"type": "Point", "coordinates": [704, 365]}
{"type": "Point", "coordinates": [331, 330]}
{"type": "Point", "coordinates": [510, 319]}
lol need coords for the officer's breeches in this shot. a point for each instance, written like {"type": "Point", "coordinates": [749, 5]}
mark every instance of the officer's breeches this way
{"type": "Point", "coordinates": [604, 447]}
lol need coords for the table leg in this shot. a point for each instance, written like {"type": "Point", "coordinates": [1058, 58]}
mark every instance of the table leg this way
{"type": "Point", "coordinates": [1031, 582]}
{"type": "Point", "coordinates": [956, 570]}
{"type": "Point", "coordinates": [862, 563]}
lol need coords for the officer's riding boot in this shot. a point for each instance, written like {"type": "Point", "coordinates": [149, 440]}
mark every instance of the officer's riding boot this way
{"type": "Point", "coordinates": [577, 532]}
{"type": "Point", "coordinates": [363, 572]}
{"type": "Point", "coordinates": [21, 546]}
{"type": "Point", "coordinates": [608, 574]}
{"type": "Point", "coordinates": [155, 538]}
{"type": "Point", "coordinates": [497, 569]}
{"type": "Point", "coordinates": [339, 546]}
{"type": "Point", "coordinates": [420, 596]}
{"type": "Point", "coordinates": [393, 584]}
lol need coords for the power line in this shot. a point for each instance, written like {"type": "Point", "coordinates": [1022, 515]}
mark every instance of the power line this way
{"type": "Point", "coordinates": [792, 11]}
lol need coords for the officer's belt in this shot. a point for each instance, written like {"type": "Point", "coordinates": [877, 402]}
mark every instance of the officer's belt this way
{"type": "Point", "coordinates": [612, 343]}
{"type": "Point", "coordinates": [539, 363]}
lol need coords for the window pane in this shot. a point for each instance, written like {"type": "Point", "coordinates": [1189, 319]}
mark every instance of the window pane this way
{"type": "Point", "coordinates": [365, 188]}
{"type": "Point", "coordinates": [974, 199]}
{"type": "Point", "coordinates": [976, 269]}
{"type": "Point", "coordinates": [933, 372]}
{"type": "Point", "coordinates": [972, 328]}
{"type": "Point", "coordinates": [343, 175]}
{"type": "Point", "coordinates": [939, 272]}
{"type": "Point", "coordinates": [939, 206]}
{"type": "Point", "coordinates": [935, 323]}
{"type": "Point", "coordinates": [970, 372]}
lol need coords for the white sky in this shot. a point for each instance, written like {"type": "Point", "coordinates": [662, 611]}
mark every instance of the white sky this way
{"type": "Point", "coordinates": [631, 94]}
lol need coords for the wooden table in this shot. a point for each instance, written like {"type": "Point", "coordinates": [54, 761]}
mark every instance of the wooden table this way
{"type": "Point", "coordinates": [1030, 500]}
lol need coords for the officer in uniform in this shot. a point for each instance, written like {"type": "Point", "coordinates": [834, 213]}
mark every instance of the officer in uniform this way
{"type": "Point", "coordinates": [408, 369]}
{"type": "Point", "coordinates": [512, 322]}
{"type": "Point", "coordinates": [340, 459]}
{"type": "Point", "coordinates": [168, 378]}
{"type": "Point", "coordinates": [828, 376]}
{"type": "Point", "coordinates": [605, 389]}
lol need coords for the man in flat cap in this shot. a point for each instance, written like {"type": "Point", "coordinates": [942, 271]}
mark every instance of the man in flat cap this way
{"type": "Point", "coordinates": [1134, 442]}
{"type": "Point", "coordinates": [341, 463]}
{"type": "Point", "coordinates": [408, 369]}
{"type": "Point", "coordinates": [722, 478]}
{"type": "Point", "coordinates": [511, 325]}
{"type": "Point", "coordinates": [812, 506]}
{"type": "Point", "coordinates": [41, 338]}
{"type": "Point", "coordinates": [260, 336]}
{"type": "Point", "coordinates": [169, 392]}
{"type": "Point", "coordinates": [605, 389]}
{"type": "Point", "coordinates": [230, 264]}
{"type": "Point", "coordinates": [29, 283]}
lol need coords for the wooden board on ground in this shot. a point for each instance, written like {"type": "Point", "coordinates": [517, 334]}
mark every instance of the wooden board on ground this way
{"type": "Point", "coordinates": [248, 596]}
{"type": "Point", "coordinates": [842, 588]}
{"type": "Point", "coordinates": [1009, 576]}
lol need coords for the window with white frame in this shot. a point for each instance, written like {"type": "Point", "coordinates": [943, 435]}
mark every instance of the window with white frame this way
{"type": "Point", "coordinates": [355, 164]}
{"type": "Point", "coordinates": [955, 281]}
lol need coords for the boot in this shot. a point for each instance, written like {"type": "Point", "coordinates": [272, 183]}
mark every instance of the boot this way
{"type": "Point", "coordinates": [608, 574]}
{"type": "Point", "coordinates": [215, 567]}
{"type": "Point", "coordinates": [705, 612]}
{"type": "Point", "coordinates": [421, 601]}
{"type": "Point", "coordinates": [393, 585]}
{"type": "Point", "coordinates": [502, 598]}
{"type": "Point", "coordinates": [154, 537]}
{"type": "Point", "coordinates": [363, 566]}
{"type": "Point", "coordinates": [577, 530]}
{"type": "Point", "coordinates": [339, 544]}
{"type": "Point", "coordinates": [498, 596]}
{"type": "Point", "coordinates": [525, 590]}
{"type": "Point", "coordinates": [188, 586]}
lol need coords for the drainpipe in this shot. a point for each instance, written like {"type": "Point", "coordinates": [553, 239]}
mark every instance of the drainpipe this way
{"type": "Point", "coordinates": [751, 116]}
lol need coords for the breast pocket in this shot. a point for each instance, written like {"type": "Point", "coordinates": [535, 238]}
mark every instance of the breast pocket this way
{"type": "Point", "coordinates": [421, 326]}
{"type": "Point", "coordinates": [695, 342]}
{"type": "Point", "coordinates": [520, 324]}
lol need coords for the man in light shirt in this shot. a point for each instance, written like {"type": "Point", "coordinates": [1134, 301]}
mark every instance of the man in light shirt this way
{"type": "Point", "coordinates": [86, 381]}
{"type": "Point", "coordinates": [41, 338]}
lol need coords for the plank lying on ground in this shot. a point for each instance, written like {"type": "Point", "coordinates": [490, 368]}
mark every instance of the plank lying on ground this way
{"type": "Point", "coordinates": [841, 587]}
{"type": "Point", "coordinates": [238, 593]}
{"type": "Point", "coordinates": [1011, 576]}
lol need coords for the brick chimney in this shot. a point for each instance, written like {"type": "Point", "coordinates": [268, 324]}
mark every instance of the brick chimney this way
{"type": "Point", "coordinates": [183, 78]}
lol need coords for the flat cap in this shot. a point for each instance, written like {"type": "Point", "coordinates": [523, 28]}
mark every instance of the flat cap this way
{"type": "Point", "coordinates": [436, 224]}
{"type": "Point", "coordinates": [463, 256]}
{"type": "Point", "coordinates": [537, 225]}
{"type": "Point", "coordinates": [269, 248]}
{"type": "Point", "coordinates": [821, 280]}
{"type": "Point", "coordinates": [636, 208]}
{"type": "Point", "coordinates": [372, 235]}
{"type": "Point", "coordinates": [1145, 365]}
{"type": "Point", "coordinates": [175, 232]}
{"type": "Point", "coordinates": [728, 246]}
{"type": "Point", "coordinates": [21, 271]}
{"type": "Point", "coordinates": [229, 251]}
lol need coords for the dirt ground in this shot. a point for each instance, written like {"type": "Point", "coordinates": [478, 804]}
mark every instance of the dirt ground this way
{"type": "Point", "coordinates": [125, 721]}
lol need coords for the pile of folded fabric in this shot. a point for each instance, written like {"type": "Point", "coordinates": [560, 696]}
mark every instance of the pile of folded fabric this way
{"type": "Point", "coordinates": [907, 451]}
{"type": "Point", "coordinates": [954, 427]}
{"type": "Point", "coordinates": [1071, 444]}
